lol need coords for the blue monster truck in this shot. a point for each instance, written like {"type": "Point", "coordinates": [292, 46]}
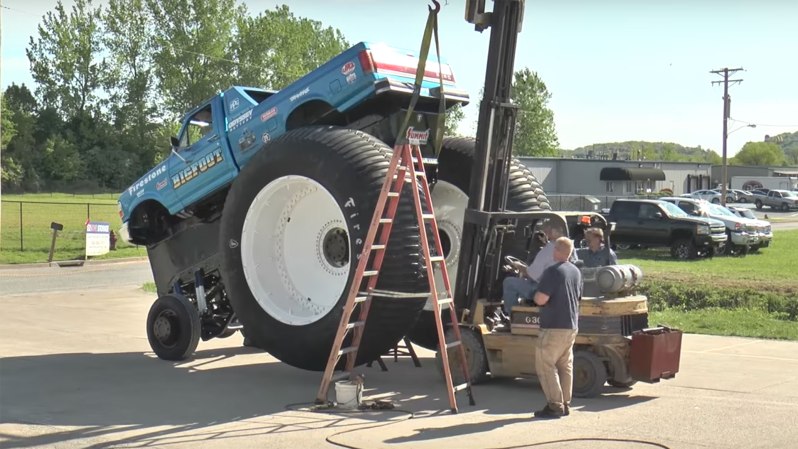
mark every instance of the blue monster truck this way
{"type": "Point", "coordinates": [254, 217]}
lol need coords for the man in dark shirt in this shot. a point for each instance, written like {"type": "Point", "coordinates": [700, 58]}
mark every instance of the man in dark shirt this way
{"type": "Point", "coordinates": [560, 290]}
{"type": "Point", "coordinates": [596, 254]}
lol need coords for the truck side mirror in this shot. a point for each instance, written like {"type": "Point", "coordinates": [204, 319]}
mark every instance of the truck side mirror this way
{"type": "Point", "coordinates": [658, 215]}
{"type": "Point", "coordinates": [175, 146]}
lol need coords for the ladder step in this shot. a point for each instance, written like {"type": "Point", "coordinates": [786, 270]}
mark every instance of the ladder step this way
{"type": "Point", "coordinates": [377, 247]}
{"type": "Point", "coordinates": [393, 194]}
{"type": "Point", "coordinates": [427, 216]}
{"type": "Point", "coordinates": [452, 344]}
{"type": "Point", "coordinates": [355, 324]}
{"type": "Point", "coordinates": [444, 301]}
{"type": "Point", "coordinates": [437, 259]}
{"type": "Point", "coordinates": [386, 220]}
{"type": "Point", "coordinates": [347, 350]}
{"type": "Point", "coordinates": [460, 387]}
{"type": "Point", "coordinates": [421, 174]}
{"type": "Point", "coordinates": [370, 273]}
{"type": "Point", "coordinates": [359, 299]}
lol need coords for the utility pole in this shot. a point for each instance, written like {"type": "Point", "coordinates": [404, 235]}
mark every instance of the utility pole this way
{"type": "Point", "coordinates": [725, 72]}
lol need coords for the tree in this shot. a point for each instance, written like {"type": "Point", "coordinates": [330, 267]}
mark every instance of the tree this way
{"type": "Point", "coordinates": [130, 84]}
{"type": "Point", "coordinates": [19, 152]}
{"type": "Point", "coordinates": [453, 118]}
{"type": "Point", "coordinates": [193, 56]}
{"type": "Point", "coordinates": [65, 59]}
{"type": "Point", "coordinates": [534, 130]}
{"type": "Point", "coordinates": [267, 47]}
{"type": "Point", "coordinates": [11, 171]}
{"type": "Point", "coordinates": [759, 153]}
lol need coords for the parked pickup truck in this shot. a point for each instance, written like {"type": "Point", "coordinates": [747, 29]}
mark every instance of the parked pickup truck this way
{"type": "Point", "coordinates": [255, 220]}
{"type": "Point", "coordinates": [659, 223]}
{"type": "Point", "coordinates": [783, 200]}
{"type": "Point", "coordinates": [743, 233]}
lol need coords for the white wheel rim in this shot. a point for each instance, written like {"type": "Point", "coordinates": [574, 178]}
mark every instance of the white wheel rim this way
{"type": "Point", "coordinates": [295, 250]}
{"type": "Point", "coordinates": [450, 204]}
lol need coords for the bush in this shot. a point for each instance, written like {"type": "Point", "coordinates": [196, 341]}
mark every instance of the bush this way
{"type": "Point", "coordinates": [663, 295]}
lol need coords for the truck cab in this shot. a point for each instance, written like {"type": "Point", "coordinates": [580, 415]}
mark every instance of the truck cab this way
{"type": "Point", "coordinates": [659, 223]}
{"type": "Point", "coordinates": [367, 87]}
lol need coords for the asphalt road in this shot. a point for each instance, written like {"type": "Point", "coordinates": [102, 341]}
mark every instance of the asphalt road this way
{"type": "Point", "coordinates": [76, 371]}
{"type": "Point", "coordinates": [41, 278]}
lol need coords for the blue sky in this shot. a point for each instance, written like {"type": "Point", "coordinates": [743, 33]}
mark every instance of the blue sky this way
{"type": "Point", "coordinates": [617, 69]}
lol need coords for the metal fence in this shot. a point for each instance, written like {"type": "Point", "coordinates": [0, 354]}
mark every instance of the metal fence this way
{"type": "Point", "coordinates": [25, 225]}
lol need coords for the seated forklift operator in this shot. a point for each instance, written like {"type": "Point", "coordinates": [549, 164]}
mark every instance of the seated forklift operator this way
{"type": "Point", "coordinates": [596, 254]}
{"type": "Point", "coordinates": [525, 285]}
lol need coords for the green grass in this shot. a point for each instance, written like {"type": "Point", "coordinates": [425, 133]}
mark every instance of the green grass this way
{"type": "Point", "coordinates": [734, 322]}
{"type": "Point", "coordinates": [31, 231]}
{"type": "Point", "coordinates": [149, 287]}
{"type": "Point", "coordinates": [751, 296]}
{"type": "Point", "coordinates": [770, 269]}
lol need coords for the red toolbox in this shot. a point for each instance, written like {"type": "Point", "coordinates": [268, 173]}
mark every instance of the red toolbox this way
{"type": "Point", "coordinates": [655, 354]}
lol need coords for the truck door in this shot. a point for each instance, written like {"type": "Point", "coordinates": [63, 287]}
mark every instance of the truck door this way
{"type": "Point", "coordinates": [652, 224]}
{"type": "Point", "coordinates": [203, 163]}
{"type": "Point", "coordinates": [624, 214]}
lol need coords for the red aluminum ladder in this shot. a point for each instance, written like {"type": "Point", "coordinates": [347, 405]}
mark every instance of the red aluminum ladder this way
{"type": "Point", "coordinates": [406, 166]}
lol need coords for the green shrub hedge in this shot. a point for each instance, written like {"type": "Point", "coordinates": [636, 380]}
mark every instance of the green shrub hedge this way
{"type": "Point", "coordinates": [664, 295]}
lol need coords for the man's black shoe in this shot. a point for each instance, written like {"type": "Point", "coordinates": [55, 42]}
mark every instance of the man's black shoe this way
{"type": "Point", "coordinates": [548, 413]}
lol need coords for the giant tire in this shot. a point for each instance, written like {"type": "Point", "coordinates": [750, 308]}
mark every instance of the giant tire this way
{"type": "Point", "coordinates": [450, 199]}
{"type": "Point", "coordinates": [291, 220]}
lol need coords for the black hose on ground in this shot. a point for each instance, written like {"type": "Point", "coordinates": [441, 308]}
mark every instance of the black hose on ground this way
{"type": "Point", "coordinates": [378, 405]}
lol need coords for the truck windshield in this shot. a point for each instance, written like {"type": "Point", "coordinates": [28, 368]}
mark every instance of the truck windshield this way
{"type": "Point", "coordinates": [718, 210]}
{"type": "Point", "coordinates": [672, 210]}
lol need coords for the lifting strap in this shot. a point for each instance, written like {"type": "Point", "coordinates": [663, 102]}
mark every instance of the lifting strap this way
{"type": "Point", "coordinates": [430, 29]}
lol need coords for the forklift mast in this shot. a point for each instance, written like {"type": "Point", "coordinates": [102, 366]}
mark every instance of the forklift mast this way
{"type": "Point", "coordinates": [481, 241]}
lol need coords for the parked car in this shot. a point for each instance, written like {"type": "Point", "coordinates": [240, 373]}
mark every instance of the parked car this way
{"type": "Point", "coordinates": [731, 197]}
{"type": "Point", "coordinates": [764, 228]}
{"type": "Point", "coordinates": [708, 195]}
{"type": "Point", "coordinates": [743, 196]}
{"type": "Point", "coordinates": [763, 192]}
{"type": "Point", "coordinates": [741, 232]}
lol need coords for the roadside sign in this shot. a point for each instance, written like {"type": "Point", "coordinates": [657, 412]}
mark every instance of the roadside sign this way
{"type": "Point", "coordinates": [98, 240]}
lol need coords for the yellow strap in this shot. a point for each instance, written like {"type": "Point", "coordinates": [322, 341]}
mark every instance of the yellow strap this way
{"type": "Point", "coordinates": [431, 27]}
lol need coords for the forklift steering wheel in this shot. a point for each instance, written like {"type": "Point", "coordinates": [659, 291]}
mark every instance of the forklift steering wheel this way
{"type": "Point", "coordinates": [510, 264]}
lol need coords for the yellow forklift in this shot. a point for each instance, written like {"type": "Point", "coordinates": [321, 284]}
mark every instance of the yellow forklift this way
{"type": "Point", "coordinates": [614, 344]}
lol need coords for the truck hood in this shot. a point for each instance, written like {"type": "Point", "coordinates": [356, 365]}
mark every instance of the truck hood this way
{"type": "Point", "coordinates": [701, 220]}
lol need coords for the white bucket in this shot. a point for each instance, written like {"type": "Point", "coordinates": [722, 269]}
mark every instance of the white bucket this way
{"type": "Point", "coordinates": [348, 394]}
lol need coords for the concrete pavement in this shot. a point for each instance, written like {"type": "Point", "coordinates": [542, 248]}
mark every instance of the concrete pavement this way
{"type": "Point", "coordinates": [77, 371]}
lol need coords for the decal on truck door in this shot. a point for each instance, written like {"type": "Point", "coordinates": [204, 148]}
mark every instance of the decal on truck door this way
{"type": "Point", "coordinates": [182, 177]}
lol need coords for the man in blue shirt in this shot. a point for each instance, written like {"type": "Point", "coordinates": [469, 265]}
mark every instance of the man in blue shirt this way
{"type": "Point", "coordinates": [558, 294]}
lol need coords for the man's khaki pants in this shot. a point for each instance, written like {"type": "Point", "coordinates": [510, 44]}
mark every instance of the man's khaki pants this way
{"type": "Point", "coordinates": [554, 364]}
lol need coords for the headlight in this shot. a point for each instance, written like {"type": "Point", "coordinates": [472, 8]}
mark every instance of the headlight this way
{"type": "Point", "coordinates": [702, 230]}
